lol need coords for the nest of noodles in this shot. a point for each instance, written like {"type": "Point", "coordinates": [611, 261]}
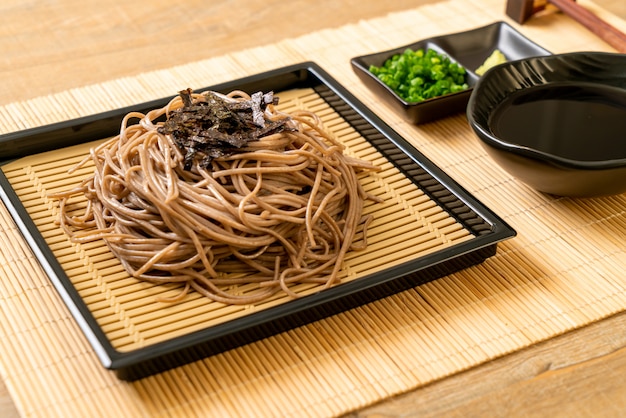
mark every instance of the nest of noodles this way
{"type": "Point", "coordinates": [256, 218]}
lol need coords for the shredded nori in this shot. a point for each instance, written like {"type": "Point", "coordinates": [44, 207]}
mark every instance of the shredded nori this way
{"type": "Point", "coordinates": [210, 126]}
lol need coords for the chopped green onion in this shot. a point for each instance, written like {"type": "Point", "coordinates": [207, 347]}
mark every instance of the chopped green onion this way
{"type": "Point", "coordinates": [420, 75]}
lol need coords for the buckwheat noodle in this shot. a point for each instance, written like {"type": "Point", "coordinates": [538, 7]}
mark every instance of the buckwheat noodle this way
{"type": "Point", "coordinates": [283, 210]}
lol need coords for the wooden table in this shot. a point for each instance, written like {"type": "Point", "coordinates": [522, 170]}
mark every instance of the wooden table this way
{"type": "Point", "coordinates": [61, 45]}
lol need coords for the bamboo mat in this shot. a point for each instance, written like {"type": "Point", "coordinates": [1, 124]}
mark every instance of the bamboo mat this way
{"type": "Point", "coordinates": [407, 224]}
{"type": "Point", "coordinates": [564, 269]}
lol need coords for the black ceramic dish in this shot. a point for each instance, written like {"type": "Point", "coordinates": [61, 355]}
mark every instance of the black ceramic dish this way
{"type": "Point", "coordinates": [486, 229]}
{"type": "Point", "coordinates": [578, 150]}
{"type": "Point", "coordinates": [470, 49]}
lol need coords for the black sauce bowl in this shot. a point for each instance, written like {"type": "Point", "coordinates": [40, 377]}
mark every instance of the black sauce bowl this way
{"type": "Point", "coordinates": [557, 164]}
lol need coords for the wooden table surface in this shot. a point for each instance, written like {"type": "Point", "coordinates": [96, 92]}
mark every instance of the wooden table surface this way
{"type": "Point", "coordinates": [577, 374]}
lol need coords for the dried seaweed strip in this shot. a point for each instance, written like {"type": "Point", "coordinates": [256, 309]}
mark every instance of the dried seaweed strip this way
{"type": "Point", "coordinates": [211, 126]}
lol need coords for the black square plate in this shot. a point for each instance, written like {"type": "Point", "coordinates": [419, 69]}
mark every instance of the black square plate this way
{"type": "Point", "coordinates": [485, 228]}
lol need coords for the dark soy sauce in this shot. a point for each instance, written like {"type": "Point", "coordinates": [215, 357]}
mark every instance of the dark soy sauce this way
{"type": "Point", "coordinates": [578, 121]}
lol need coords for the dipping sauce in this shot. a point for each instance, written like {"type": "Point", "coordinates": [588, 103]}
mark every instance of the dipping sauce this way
{"type": "Point", "coordinates": [578, 121]}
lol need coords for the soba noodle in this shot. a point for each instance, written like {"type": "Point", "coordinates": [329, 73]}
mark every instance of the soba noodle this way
{"type": "Point", "coordinates": [282, 210]}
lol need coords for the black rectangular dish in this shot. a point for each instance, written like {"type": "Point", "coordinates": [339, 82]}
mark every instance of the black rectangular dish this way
{"type": "Point", "coordinates": [484, 230]}
{"type": "Point", "coordinates": [469, 49]}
